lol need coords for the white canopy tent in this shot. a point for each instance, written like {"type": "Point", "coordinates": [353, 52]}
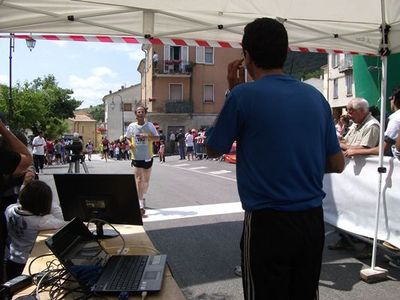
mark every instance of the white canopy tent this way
{"type": "Point", "coordinates": [355, 26]}
{"type": "Point", "coordinates": [342, 25]}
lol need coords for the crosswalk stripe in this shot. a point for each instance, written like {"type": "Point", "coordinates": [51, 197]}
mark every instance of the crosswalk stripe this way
{"type": "Point", "coordinates": [182, 165]}
{"type": "Point", "coordinates": [202, 173]}
{"type": "Point", "coordinates": [173, 213]}
{"type": "Point", "coordinates": [197, 168]}
{"type": "Point", "coordinates": [220, 172]}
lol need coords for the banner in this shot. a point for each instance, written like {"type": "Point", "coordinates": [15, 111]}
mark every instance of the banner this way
{"type": "Point", "coordinates": [351, 198]}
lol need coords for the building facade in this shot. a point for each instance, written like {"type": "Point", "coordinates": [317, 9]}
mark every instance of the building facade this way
{"type": "Point", "coordinates": [184, 87]}
{"type": "Point", "coordinates": [119, 109]}
{"type": "Point", "coordinates": [84, 125]}
{"type": "Point", "coordinates": [338, 82]}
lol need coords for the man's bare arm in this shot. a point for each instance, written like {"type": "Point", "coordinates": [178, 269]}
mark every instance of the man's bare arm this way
{"type": "Point", "coordinates": [212, 153]}
{"type": "Point", "coordinates": [335, 163]}
{"type": "Point", "coordinates": [17, 146]}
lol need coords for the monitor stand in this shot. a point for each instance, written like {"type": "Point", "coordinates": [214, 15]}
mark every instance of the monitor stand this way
{"type": "Point", "coordinates": [101, 233]}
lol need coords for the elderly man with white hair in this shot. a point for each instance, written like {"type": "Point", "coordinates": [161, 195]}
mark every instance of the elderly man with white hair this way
{"type": "Point", "coordinates": [363, 135]}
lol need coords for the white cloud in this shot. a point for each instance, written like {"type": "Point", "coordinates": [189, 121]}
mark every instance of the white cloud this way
{"type": "Point", "coordinates": [3, 79]}
{"type": "Point", "coordinates": [61, 44]}
{"type": "Point", "coordinates": [136, 55]}
{"type": "Point", "coordinates": [134, 52]}
{"type": "Point", "coordinates": [93, 88]}
{"type": "Point", "coordinates": [102, 71]}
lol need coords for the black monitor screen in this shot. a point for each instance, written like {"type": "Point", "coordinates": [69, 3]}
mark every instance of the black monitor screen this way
{"type": "Point", "coordinates": [109, 197]}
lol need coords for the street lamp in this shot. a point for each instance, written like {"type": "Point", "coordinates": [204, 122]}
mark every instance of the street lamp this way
{"type": "Point", "coordinates": [112, 105]}
{"type": "Point", "coordinates": [10, 98]}
{"type": "Point", "coordinates": [30, 43]}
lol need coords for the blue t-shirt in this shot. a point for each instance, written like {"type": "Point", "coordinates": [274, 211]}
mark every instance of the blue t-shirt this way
{"type": "Point", "coordinates": [284, 131]}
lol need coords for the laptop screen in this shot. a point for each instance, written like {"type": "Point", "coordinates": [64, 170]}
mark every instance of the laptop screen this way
{"type": "Point", "coordinates": [81, 255]}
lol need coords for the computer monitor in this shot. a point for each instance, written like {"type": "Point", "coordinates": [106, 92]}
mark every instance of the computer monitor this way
{"type": "Point", "coordinates": [109, 197]}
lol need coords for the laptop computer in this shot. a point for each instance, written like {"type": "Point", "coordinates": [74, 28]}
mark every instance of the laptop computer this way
{"type": "Point", "coordinates": [88, 262]}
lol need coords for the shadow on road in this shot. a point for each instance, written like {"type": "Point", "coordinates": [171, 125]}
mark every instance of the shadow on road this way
{"type": "Point", "coordinates": [202, 253]}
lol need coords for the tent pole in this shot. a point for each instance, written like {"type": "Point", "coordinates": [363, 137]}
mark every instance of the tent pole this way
{"type": "Point", "coordinates": [381, 169]}
{"type": "Point", "coordinates": [375, 273]}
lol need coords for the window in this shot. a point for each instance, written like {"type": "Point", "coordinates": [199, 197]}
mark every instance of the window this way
{"type": "Point", "coordinates": [335, 89]}
{"type": "Point", "coordinates": [348, 60]}
{"type": "Point", "coordinates": [335, 60]}
{"type": "Point", "coordinates": [127, 107]}
{"type": "Point", "coordinates": [175, 91]}
{"type": "Point", "coordinates": [209, 55]}
{"type": "Point", "coordinates": [349, 84]}
{"type": "Point", "coordinates": [208, 93]}
{"type": "Point", "coordinates": [205, 55]}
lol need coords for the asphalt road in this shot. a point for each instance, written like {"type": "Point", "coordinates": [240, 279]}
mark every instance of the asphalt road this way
{"type": "Point", "coordinates": [194, 216]}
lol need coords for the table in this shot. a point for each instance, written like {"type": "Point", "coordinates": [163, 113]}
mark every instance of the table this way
{"type": "Point", "coordinates": [137, 242]}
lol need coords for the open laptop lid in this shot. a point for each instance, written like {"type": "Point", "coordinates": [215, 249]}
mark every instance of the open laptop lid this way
{"type": "Point", "coordinates": [81, 255]}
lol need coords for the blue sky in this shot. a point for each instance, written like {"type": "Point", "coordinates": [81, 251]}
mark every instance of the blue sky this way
{"type": "Point", "coordinates": [89, 69]}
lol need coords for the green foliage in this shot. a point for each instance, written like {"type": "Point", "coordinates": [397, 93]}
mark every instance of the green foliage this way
{"type": "Point", "coordinates": [97, 112]}
{"type": "Point", "coordinates": [41, 106]}
{"type": "Point", "coordinates": [313, 74]}
{"type": "Point", "coordinates": [305, 65]}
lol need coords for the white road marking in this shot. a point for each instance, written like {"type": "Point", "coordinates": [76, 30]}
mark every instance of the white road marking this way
{"type": "Point", "coordinates": [182, 165]}
{"type": "Point", "coordinates": [203, 173]}
{"type": "Point", "coordinates": [197, 168]}
{"type": "Point", "coordinates": [220, 172]}
{"type": "Point", "coordinates": [174, 213]}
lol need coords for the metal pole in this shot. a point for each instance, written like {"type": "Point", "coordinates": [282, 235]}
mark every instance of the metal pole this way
{"type": "Point", "coordinates": [123, 121]}
{"type": "Point", "coordinates": [381, 169]}
{"type": "Point", "coordinates": [10, 97]}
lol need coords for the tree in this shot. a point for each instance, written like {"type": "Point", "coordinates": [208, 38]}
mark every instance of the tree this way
{"type": "Point", "coordinates": [41, 106]}
{"type": "Point", "coordinates": [97, 112]}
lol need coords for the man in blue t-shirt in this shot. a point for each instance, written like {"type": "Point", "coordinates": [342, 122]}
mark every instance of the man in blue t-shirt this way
{"type": "Point", "coordinates": [286, 141]}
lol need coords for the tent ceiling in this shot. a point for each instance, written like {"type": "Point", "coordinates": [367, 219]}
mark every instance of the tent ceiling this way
{"type": "Point", "coordinates": [345, 25]}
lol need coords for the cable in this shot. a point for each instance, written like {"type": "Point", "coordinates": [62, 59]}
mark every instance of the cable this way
{"type": "Point", "coordinates": [105, 222]}
{"type": "Point", "coordinates": [40, 281]}
{"type": "Point", "coordinates": [36, 258]}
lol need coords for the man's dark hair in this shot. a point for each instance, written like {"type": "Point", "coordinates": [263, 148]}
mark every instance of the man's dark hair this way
{"type": "Point", "coordinates": [266, 41]}
{"type": "Point", "coordinates": [396, 97]}
{"type": "Point", "coordinates": [141, 106]}
{"type": "Point", "coordinates": [36, 197]}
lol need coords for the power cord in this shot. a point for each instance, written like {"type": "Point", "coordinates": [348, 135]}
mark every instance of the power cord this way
{"type": "Point", "coordinates": [40, 282]}
{"type": "Point", "coordinates": [119, 234]}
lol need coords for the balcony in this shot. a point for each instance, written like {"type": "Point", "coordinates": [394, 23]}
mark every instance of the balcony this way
{"type": "Point", "coordinates": [345, 65]}
{"type": "Point", "coordinates": [178, 107]}
{"type": "Point", "coordinates": [173, 67]}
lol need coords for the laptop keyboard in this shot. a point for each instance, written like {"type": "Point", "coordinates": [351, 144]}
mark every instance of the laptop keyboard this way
{"type": "Point", "coordinates": [127, 272]}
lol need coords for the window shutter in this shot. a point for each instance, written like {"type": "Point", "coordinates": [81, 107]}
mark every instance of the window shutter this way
{"type": "Point", "coordinates": [200, 55]}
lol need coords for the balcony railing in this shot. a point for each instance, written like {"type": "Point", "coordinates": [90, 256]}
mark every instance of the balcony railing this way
{"type": "Point", "coordinates": [178, 107]}
{"type": "Point", "coordinates": [345, 64]}
{"type": "Point", "coordinates": [174, 66]}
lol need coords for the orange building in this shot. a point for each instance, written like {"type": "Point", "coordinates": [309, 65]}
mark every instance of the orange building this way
{"type": "Point", "coordinates": [85, 126]}
{"type": "Point", "coordinates": [184, 87]}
